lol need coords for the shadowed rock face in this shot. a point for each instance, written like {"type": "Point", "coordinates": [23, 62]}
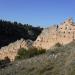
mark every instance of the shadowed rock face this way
{"type": "Point", "coordinates": [63, 34]}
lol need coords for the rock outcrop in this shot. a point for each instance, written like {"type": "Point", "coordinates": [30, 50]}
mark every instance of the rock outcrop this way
{"type": "Point", "coordinates": [63, 34]}
{"type": "Point", "coordinates": [11, 50]}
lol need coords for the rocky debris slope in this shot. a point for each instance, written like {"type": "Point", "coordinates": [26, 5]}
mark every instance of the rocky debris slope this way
{"type": "Point", "coordinates": [11, 50]}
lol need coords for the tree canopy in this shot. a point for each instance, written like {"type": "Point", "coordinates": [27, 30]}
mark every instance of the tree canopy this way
{"type": "Point", "coordinates": [12, 31]}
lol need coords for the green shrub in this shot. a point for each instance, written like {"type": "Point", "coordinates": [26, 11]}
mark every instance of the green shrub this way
{"type": "Point", "coordinates": [21, 53]}
{"type": "Point", "coordinates": [24, 53]}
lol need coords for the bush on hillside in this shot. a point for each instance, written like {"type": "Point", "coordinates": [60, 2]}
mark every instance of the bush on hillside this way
{"type": "Point", "coordinates": [58, 45]}
{"type": "Point", "coordinates": [24, 53]}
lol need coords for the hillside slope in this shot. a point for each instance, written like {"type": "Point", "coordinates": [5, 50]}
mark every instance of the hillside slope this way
{"type": "Point", "coordinates": [13, 31]}
{"type": "Point", "coordinates": [57, 61]}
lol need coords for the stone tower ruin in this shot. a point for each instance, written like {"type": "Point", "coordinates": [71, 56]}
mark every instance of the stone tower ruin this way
{"type": "Point", "coordinates": [63, 34]}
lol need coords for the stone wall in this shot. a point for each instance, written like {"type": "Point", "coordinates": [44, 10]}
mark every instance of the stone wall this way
{"type": "Point", "coordinates": [11, 50]}
{"type": "Point", "coordinates": [63, 33]}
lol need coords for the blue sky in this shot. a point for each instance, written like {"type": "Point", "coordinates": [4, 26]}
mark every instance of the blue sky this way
{"type": "Point", "coordinates": [37, 12]}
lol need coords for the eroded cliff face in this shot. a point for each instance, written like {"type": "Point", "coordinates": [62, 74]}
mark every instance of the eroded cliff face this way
{"type": "Point", "coordinates": [11, 50]}
{"type": "Point", "coordinates": [63, 34]}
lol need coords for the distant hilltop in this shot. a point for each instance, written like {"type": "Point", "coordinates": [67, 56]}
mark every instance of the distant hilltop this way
{"type": "Point", "coordinates": [13, 31]}
{"type": "Point", "coordinates": [63, 34]}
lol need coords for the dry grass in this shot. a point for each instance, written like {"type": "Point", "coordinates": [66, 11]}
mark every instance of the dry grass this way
{"type": "Point", "coordinates": [58, 61]}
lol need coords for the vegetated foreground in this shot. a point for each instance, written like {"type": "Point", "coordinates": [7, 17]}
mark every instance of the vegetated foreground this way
{"type": "Point", "coordinates": [57, 61]}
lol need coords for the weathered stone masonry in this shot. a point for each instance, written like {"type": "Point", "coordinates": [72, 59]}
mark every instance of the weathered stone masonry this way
{"type": "Point", "coordinates": [63, 33]}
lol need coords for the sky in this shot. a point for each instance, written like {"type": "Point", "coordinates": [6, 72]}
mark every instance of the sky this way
{"type": "Point", "coordinates": [41, 13]}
